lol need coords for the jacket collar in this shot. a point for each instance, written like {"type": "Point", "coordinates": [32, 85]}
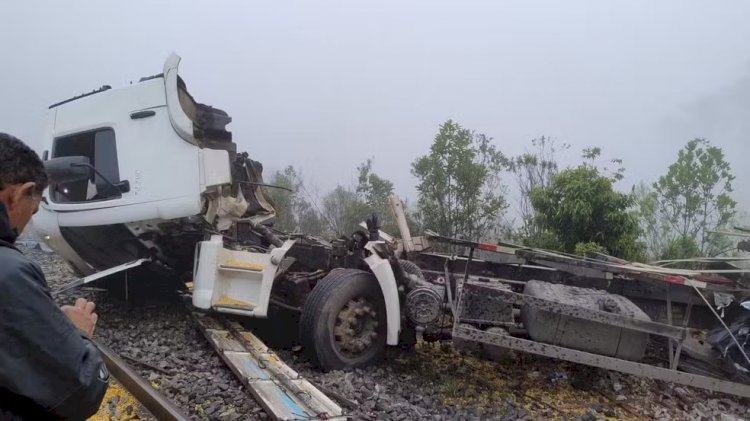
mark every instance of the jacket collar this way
{"type": "Point", "coordinates": [7, 234]}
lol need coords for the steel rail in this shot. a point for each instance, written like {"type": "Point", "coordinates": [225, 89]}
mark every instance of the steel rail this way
{"type": "Point", "coordinates": [156, 403]}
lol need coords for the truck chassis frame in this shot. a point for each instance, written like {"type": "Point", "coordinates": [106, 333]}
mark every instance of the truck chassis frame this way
{"type": "Point", "coordinates": [676, 335]}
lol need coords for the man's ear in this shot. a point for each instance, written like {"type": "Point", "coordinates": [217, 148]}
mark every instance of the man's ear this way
{"type": "Point", "coordinates": [20, 192]}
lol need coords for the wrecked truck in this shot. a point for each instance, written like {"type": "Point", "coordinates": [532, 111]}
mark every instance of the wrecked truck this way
{"type": "Point", "coordinates": [144, 176]}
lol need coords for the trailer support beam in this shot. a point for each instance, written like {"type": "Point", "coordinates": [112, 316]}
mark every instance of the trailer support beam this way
{"type": "Point", "coordinates": [601, 361]}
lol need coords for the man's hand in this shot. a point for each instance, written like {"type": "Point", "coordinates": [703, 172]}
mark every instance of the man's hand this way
{"type": "Point", "coordinates": [82, 315]}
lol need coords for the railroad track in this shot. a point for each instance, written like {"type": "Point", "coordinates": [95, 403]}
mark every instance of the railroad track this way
{"type": "Point", "coordinates": [280, 390]}
{"type": "Point", "coordinates": [156, 403]}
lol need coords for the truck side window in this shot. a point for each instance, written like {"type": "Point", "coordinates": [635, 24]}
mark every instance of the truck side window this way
{"type": "Point", "coordinates": [99, 147]}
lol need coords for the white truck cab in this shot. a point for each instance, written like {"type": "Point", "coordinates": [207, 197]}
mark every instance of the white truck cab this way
{"type": "Point", "coordinates": [157, 157]}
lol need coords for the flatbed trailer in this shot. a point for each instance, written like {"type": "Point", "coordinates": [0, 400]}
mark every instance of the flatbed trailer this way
{"type": "Point", "coordinates": [514, 266]}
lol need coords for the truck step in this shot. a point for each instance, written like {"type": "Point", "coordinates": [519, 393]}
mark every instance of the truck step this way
{"type": "Point", "coordinates": [282, 392]}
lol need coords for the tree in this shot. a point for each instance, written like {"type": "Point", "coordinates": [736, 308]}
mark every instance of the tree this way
{"type": "Point", "coordinates": [283, 199]}
{"type": "Point", "coordinates": [459, 183]}
{"type": "Point", "coordinates": [293, 212]}
{"type": "Point", "coordinates": [679, 248]}
{"type": "Point", "coordinates": [581, 206]}
{"type": "Point", "coordinates": [344, 208]}
{"type": "Point", "coordinates": [655, 232]}
{"type": "Point", "coordinates": [693, 197]}
{"type": "Point", "coordinates": [534, 169]}
{"type": "Point", "coordinates": [374, 192]}
{"type": "Point", "coordinates": [343, 211]}
{"type": "Point", "coordinates": [592, 155]}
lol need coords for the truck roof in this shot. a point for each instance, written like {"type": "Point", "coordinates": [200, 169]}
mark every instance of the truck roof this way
{"type": "Point", "coordinates": [101, 89]}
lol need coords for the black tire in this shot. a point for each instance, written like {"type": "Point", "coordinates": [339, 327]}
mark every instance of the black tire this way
{"type": "Point", "coordinates": [411, 268]}
{"type": "Point", "coordinates": [337, 294]}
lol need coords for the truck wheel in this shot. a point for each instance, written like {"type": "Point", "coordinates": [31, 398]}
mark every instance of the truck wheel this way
{"type": "Point", "coordinates": [343, 323]}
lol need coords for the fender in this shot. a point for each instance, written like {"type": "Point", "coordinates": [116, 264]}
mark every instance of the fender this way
{"type": "Point", "coordinates": [381, 268]}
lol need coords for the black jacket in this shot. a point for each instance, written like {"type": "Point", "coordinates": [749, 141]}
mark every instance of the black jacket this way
{"type": "Point", "coordinates": [48, 368]}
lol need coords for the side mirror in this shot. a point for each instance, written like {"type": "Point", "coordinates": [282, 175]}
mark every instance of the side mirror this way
{"type": "Point", "coordinates": [68, 169]}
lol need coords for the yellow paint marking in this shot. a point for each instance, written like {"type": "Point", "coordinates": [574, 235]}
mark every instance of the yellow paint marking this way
{"type": "Point", "coordinates": [231, 302]}
{"type": "Point", "coordinates": [118, 404]}
{"type": "Point", "coordinates": [239, 264]}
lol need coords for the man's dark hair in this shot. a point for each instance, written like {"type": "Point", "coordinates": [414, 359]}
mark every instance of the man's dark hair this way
{"type": "Point", "coordinates": [20, 164]}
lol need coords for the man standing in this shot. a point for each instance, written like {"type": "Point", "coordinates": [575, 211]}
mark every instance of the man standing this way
{"type": "Point", "coordinates": [49, 368]}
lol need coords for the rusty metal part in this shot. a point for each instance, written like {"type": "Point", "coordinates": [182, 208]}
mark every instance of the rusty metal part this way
{"type": "Point", "coordinates": [448, 289]}
{"type": "Point", "coordinates": [265, 232]}
{"type": "Point", "coordinates": [675, 362]}
{"type": "Point", "coordinates": [607, 269]}
{"type": "Point", "coordinates": [463, 332]}
{"type": "Point", "coordinates": [468, 263]}
{"type": "Point", "coordinates": [158, 405]}
{"type": "Point", "coordinates": [423, 305]}
{"type": "Point", "coordinates": [356, 326]}
{"type": "Point", "coordinates": [729, 331]}
{"type": "Point", "coordinates": [478, 305]}
{"type": "Point", "coordinates": [609, 363]}
{"type": "Point", "coordinates": [670, 341]}
{"type": "Point", "coordinates": [475, 278]}
{"type": "Point", "coordinates": [506, 297]}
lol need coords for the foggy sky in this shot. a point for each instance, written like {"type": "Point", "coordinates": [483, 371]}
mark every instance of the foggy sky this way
{"type": "Point", "coordinates": [325, 85]}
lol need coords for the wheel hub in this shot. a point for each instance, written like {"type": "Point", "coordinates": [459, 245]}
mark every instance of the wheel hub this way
{"type": "Point", "coordinates": [356, 326]}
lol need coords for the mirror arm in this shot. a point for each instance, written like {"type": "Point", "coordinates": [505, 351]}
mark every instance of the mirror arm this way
{"type": "Point", "coordinates": [122, 186]}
